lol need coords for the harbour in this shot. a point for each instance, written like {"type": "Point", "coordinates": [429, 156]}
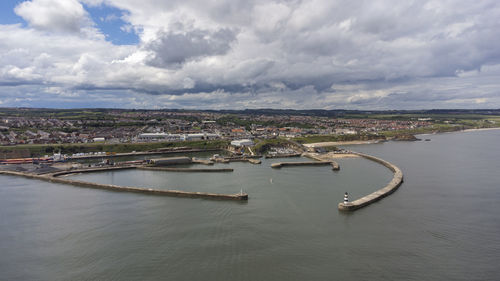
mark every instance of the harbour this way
{"type": "Point", "coordinates": [289, 223]}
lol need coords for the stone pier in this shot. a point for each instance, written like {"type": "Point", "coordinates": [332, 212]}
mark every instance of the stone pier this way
{"type": "Point", "coordinates": [392, 186]}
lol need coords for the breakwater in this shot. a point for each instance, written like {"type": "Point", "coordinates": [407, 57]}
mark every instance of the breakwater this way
{"type": "Point", "coordinates": [392, 186]}
{"type": "Point", "coordinates": [55, 177]}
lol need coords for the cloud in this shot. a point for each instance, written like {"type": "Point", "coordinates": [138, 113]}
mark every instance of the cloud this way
{"type": "Point", "coordinates": [252, 53]}
{"type": "Point", "coordinates": [175, 48]}
{"type": "Point", "coordinates": [53, 15]}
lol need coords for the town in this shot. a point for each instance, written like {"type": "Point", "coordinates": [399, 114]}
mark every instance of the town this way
{"type": "Point", "coordinates": [32, 126]}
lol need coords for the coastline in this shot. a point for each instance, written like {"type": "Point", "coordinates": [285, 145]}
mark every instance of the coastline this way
{"type": "Point", "coordinates": [460, 131]}
{"type": "Point", "coordinates": [339, 143]}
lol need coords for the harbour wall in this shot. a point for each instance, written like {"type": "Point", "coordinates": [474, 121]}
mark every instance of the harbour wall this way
{"type": "Point", "coordinates": [392, 186]}
{"type": "Point", "coordinates": [175, 193]}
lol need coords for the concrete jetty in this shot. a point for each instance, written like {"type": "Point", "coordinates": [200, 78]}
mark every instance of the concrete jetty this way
{"type": "Point", "coordinates": [55, 177]}
{"type": "Point", "coordinates": [392, 186]}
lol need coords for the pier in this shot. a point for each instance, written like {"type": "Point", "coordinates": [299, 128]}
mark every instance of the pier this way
{"type": "Point", "coordinates": [55, 177]}
{"type": "Point", "coordinates": [392, 186]}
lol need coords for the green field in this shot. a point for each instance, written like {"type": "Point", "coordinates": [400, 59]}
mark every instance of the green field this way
{"type": "Point", "coordinates": [38, 150]}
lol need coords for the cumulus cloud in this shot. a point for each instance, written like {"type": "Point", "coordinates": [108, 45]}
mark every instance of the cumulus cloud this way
{"type": "Point", "coordinates": [54, 15]}
{"type": "Point", "coordinates": [241, 53]}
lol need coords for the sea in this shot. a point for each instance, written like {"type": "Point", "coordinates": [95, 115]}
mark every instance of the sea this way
{"type": "Point", "coordinates": [443, 223]}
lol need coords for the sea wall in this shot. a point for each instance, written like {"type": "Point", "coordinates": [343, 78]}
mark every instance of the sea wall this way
{"type": "Point", "coordinates": [392, 186]}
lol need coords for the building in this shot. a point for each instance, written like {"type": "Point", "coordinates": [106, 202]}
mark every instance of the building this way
{"type": "Point", "coordinates": [243, 142]}
{"type": "Point", "coordinates": [159, 137]}
{"type": "Point", "coordinates": [200, 136]}
{"type": "Point", "coordinates": [170, 161]}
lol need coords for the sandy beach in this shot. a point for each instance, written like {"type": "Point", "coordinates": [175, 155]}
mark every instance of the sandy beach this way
{"type": "Point", "coordinates": [481, 129]}
{"type": "Point", "coordinates": [330, 156]}
{"type": "Point", "coordinates": [336, 143]}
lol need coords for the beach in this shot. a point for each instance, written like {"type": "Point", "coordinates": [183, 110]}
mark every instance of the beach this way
{"type": "Point", "coordinates": [337, 143]}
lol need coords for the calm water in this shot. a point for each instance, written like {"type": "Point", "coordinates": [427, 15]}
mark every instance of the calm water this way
{"type": "Point", "coordinates": [442, 224]}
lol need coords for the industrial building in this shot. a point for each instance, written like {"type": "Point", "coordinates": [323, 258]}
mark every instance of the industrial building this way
{"type": "Point", "coordinates": [170, 161]}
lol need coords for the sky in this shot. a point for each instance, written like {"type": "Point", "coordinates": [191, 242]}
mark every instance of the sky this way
{"type": "Point", "coordinates": [237, 54]}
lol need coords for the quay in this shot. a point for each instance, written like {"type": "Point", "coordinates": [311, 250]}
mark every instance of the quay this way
{"type": "Point", "coordinates": [392, 186]}
{"type": "Point", "coordinates": [55, 177]}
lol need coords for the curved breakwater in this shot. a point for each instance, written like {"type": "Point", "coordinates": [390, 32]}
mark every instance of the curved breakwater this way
{"type": "Point", "coordinates": [396, 181]}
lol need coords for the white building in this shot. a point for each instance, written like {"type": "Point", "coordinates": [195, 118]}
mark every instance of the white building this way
{"type": "Point", "coordinates": [159, 137]}
{"type": "Point", "coordinates": [200, 136]}
{"type": "Point", "coordinates": [240, 143]}
{"type": "Point", "coordinates": [176, 137]}
{"type": "Point", "coordinates": [99, 139]}
{"type": "Point", "coordinates": [345, 132]}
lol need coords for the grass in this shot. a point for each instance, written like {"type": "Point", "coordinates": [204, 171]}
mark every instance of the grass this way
{"type": "Point", "coordinates": [37, 150]}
